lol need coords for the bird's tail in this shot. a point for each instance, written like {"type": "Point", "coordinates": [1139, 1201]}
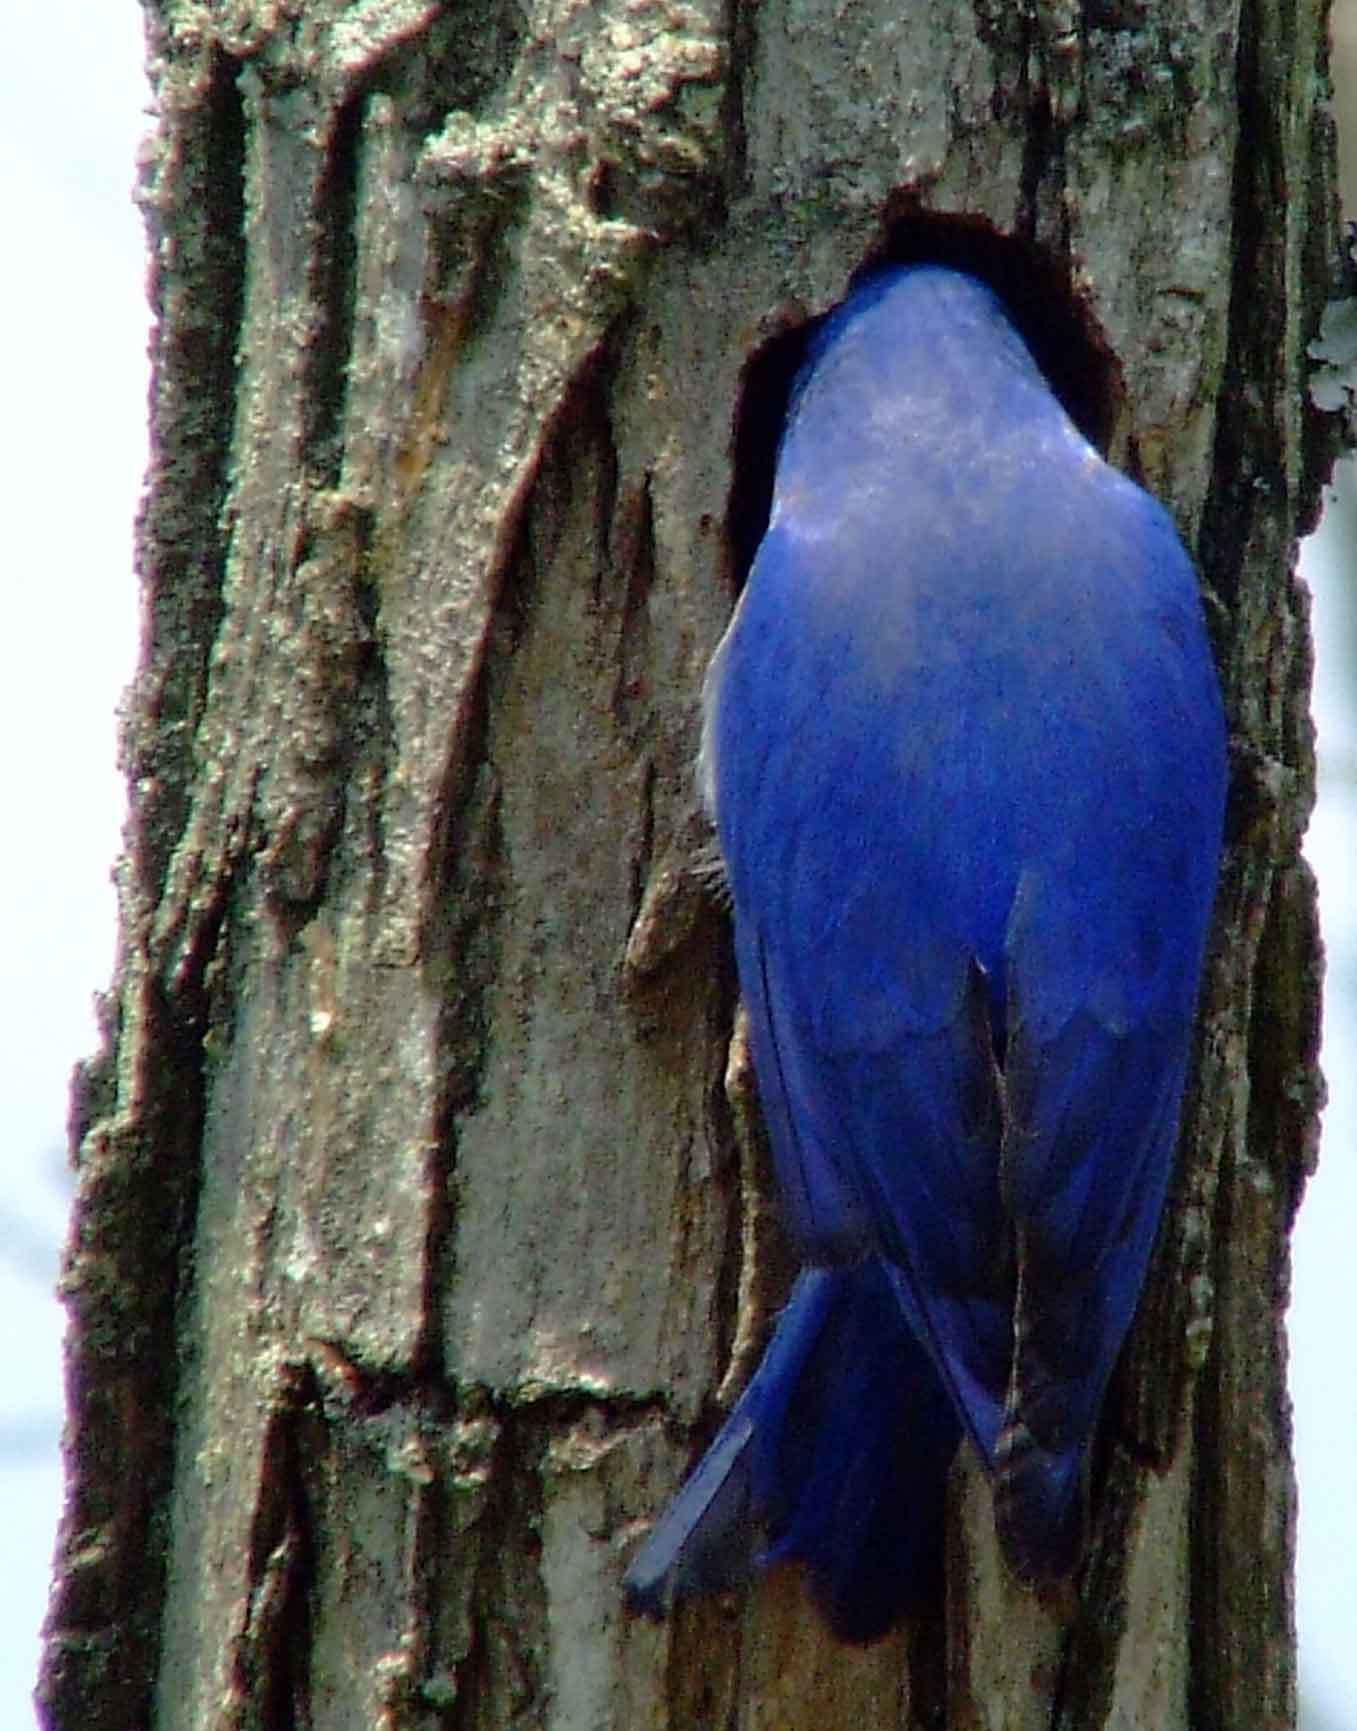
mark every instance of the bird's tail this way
{"type": "Point", "coordinates": [1038, 1467]}
{"type": "Point", "coordinates": [835, 1455]}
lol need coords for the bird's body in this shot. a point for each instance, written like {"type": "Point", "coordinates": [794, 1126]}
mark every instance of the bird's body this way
{"type": "Point", "coordinates": [965, 754]}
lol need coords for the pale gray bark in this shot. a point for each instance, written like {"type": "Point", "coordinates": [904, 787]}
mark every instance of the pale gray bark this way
{"type": "Point", "coordinates": [414, 1234]}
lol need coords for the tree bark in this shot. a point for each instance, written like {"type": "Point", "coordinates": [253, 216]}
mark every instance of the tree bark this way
{"type": "Point", "coordinates": [421, 1205]}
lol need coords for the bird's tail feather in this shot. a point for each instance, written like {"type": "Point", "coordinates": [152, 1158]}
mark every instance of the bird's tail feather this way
{"type": "Point", "coordinates": [1039, 1505]}
{"type": "Point", "coordinates": [835, 1455]}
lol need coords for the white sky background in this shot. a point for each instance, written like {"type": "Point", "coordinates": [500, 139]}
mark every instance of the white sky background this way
{"type": "Point", "coordinates": [72, 453]}
{"type": "Point", "coordinates": [1323, 1318]}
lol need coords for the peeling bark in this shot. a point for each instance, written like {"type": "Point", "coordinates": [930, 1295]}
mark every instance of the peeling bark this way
{"type": "Point", "coordinates": [422, 1204]}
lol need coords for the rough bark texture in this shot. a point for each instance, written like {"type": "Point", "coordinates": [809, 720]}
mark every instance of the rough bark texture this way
{"type": "Point", "coordinates": [419, 1219]}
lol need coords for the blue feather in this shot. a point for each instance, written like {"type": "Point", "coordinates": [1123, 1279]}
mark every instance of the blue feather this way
{"type": "Point", "coordinates": [965, 751]}
{"type": "Point", "coordinates": [859, 1504]}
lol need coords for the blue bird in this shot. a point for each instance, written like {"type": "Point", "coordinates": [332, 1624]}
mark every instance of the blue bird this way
{"type": "Point", "coordinates": [965, 752]}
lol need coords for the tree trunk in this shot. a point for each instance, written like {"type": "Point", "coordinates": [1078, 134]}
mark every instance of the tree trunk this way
{"type": "Point", "coordinates": [421, 1212]}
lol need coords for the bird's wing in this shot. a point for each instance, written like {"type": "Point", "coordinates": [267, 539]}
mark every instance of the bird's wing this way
{"type": "Point", "coordinates": [1088, 1155]}
{"type": "Point", "coordinates": [892, 1149]}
